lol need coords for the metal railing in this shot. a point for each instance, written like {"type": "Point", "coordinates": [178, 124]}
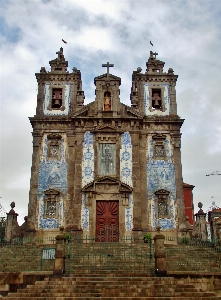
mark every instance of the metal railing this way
{"type": "Point", "coordinates": [123, 256]}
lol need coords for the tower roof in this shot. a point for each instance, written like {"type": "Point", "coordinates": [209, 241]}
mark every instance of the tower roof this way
{"type": "Point", "coordinates": [153, 64]}
{"type": "Point", "coordinates": [59, 64]}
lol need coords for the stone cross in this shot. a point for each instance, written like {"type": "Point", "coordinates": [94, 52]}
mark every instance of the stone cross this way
{"type": "Point", "coordinates": [108, 66]}
{"type": "Point", "coordinates": [155, 54]}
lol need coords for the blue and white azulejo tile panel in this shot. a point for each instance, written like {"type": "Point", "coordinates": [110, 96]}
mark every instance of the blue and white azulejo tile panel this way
{"type": "Point", "coordinates": [88, 159]}
{"type": "Point", "coordinates": [87, 175]}
{"type": "Point", "coordinates": [148, 110]}
{"type": "Point", "coordinates": [129, 214]}
{"type": "Point", "coordinates": [126, 159]}
{"type": "Point", "coordinates": [126, 175]}
{"type": "Point", "coordinates": [47, 110]}
{"type": "Point", "coordinates": [84, 214]}
{"type": "Point", "coordinates": [161, 175]}
{"type": "Point", "coordinates": [52, 174]}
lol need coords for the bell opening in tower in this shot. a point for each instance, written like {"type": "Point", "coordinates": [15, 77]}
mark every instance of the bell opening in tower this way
{"type": "Point", "coordinates": [156, 99]}
{"type": "Point", "coordinates": [56, 98]}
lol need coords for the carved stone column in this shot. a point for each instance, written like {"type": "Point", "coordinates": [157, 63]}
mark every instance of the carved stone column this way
{"type": "Point", "coordinates": [159, 253]}
{"type": "Point", "coordinates": [59, 265]}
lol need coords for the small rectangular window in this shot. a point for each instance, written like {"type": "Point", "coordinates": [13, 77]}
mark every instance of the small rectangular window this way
{"type": "Point", "coordinates": [107, 159]}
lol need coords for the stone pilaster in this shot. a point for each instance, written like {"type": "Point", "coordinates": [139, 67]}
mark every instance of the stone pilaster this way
{"type": "Point", "coordinates": [176, 142]}
{"type": "Point", "coordinates": [137, 214]}
{"type": "Point", "coordinates": [32, 222]}
{"type": "Point", "coordinates": [77, 180]}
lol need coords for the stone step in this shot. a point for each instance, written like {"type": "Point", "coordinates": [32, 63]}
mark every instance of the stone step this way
{"type": "Point", "coordinates": [118, 298]}
{"type": "Point", "coordinates": [107, 285]}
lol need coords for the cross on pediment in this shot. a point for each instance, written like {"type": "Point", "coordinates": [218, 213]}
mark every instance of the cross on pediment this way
{"type": "Point", "coordinates": [153, 53]}
{"type": "Point", "coordinates": [108, 65]}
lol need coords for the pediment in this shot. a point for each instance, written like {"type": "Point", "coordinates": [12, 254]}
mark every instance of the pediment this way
{"type": "Point", "coordinates": [110, 77]}
{"type": "Point", "coordinates": [107, 129]}
{"type": "Point", "coordinates": [162, 192]}
{"type": "Point", "coordinates": [108, 185]}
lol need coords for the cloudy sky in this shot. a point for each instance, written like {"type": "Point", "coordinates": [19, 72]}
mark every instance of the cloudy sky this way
{"type": "Point", "coordinates": [185, 33]}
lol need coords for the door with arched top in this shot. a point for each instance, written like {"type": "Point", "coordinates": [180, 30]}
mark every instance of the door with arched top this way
{"type": "Point", "coordinates": [107, 221]}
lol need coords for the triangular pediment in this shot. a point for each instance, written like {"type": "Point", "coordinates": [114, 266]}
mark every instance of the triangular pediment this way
{"type": "Point", "coordinates": [107, 129]}
{"type": "Point", "coordinates": [107, 181]}
{"type": "Point", "coordinates": [110, 78]}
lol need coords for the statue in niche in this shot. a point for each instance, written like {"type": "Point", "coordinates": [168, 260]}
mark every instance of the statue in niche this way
{"type": "Point", "coordinates": [107, 101]}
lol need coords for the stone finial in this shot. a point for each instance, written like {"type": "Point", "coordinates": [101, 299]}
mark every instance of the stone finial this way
{"type": "Point", "coordinates": [12, 212]}
{"type": "Point", "coordinates": [74, 70]}
{"type": "Point", "coordinates": [170, 71]}
{"type": "Point", "coordinates": [200, 205]}
{"type": "Point", "coordinates": [43, 70]}
{"type": "Point", "coordinates": [139, 70]}
{"type": "Point", "coordinates": [60, 54]}
{"type": "Point", "coordinates": [12, 205]}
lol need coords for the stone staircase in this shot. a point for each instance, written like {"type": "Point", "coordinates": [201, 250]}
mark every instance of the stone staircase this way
{"type": "Point", "coordinates": [111, 286]}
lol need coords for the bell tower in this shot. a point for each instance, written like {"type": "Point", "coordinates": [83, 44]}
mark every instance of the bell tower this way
{"type": "Point", "coordinates": [59, 96]}
{"type": "Point", "coordinates": [153, 94]}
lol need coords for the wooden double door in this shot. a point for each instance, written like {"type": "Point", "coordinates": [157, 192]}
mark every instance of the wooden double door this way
{"type": "Point", "coordinates": [107, 221]}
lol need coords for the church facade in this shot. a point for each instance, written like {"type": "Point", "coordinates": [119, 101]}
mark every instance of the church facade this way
{"type": "Point", "coordinates": [105, 164]}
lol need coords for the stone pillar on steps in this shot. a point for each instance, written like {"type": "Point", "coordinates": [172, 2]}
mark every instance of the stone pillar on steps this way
{"type": "Point", "coordinates": [59, 265]}
{"type": "Point", "coordinates": [12, 229]}
{"type": "Point", "coordinates": [200, 226]}
{"type": "Point", "coordinates": [159, 253]}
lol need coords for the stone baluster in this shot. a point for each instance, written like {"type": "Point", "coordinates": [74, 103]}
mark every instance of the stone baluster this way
{"type": "Point", "coordinates": [59, 265]}
{"type": "Point", "coordinates": [159, 253]}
